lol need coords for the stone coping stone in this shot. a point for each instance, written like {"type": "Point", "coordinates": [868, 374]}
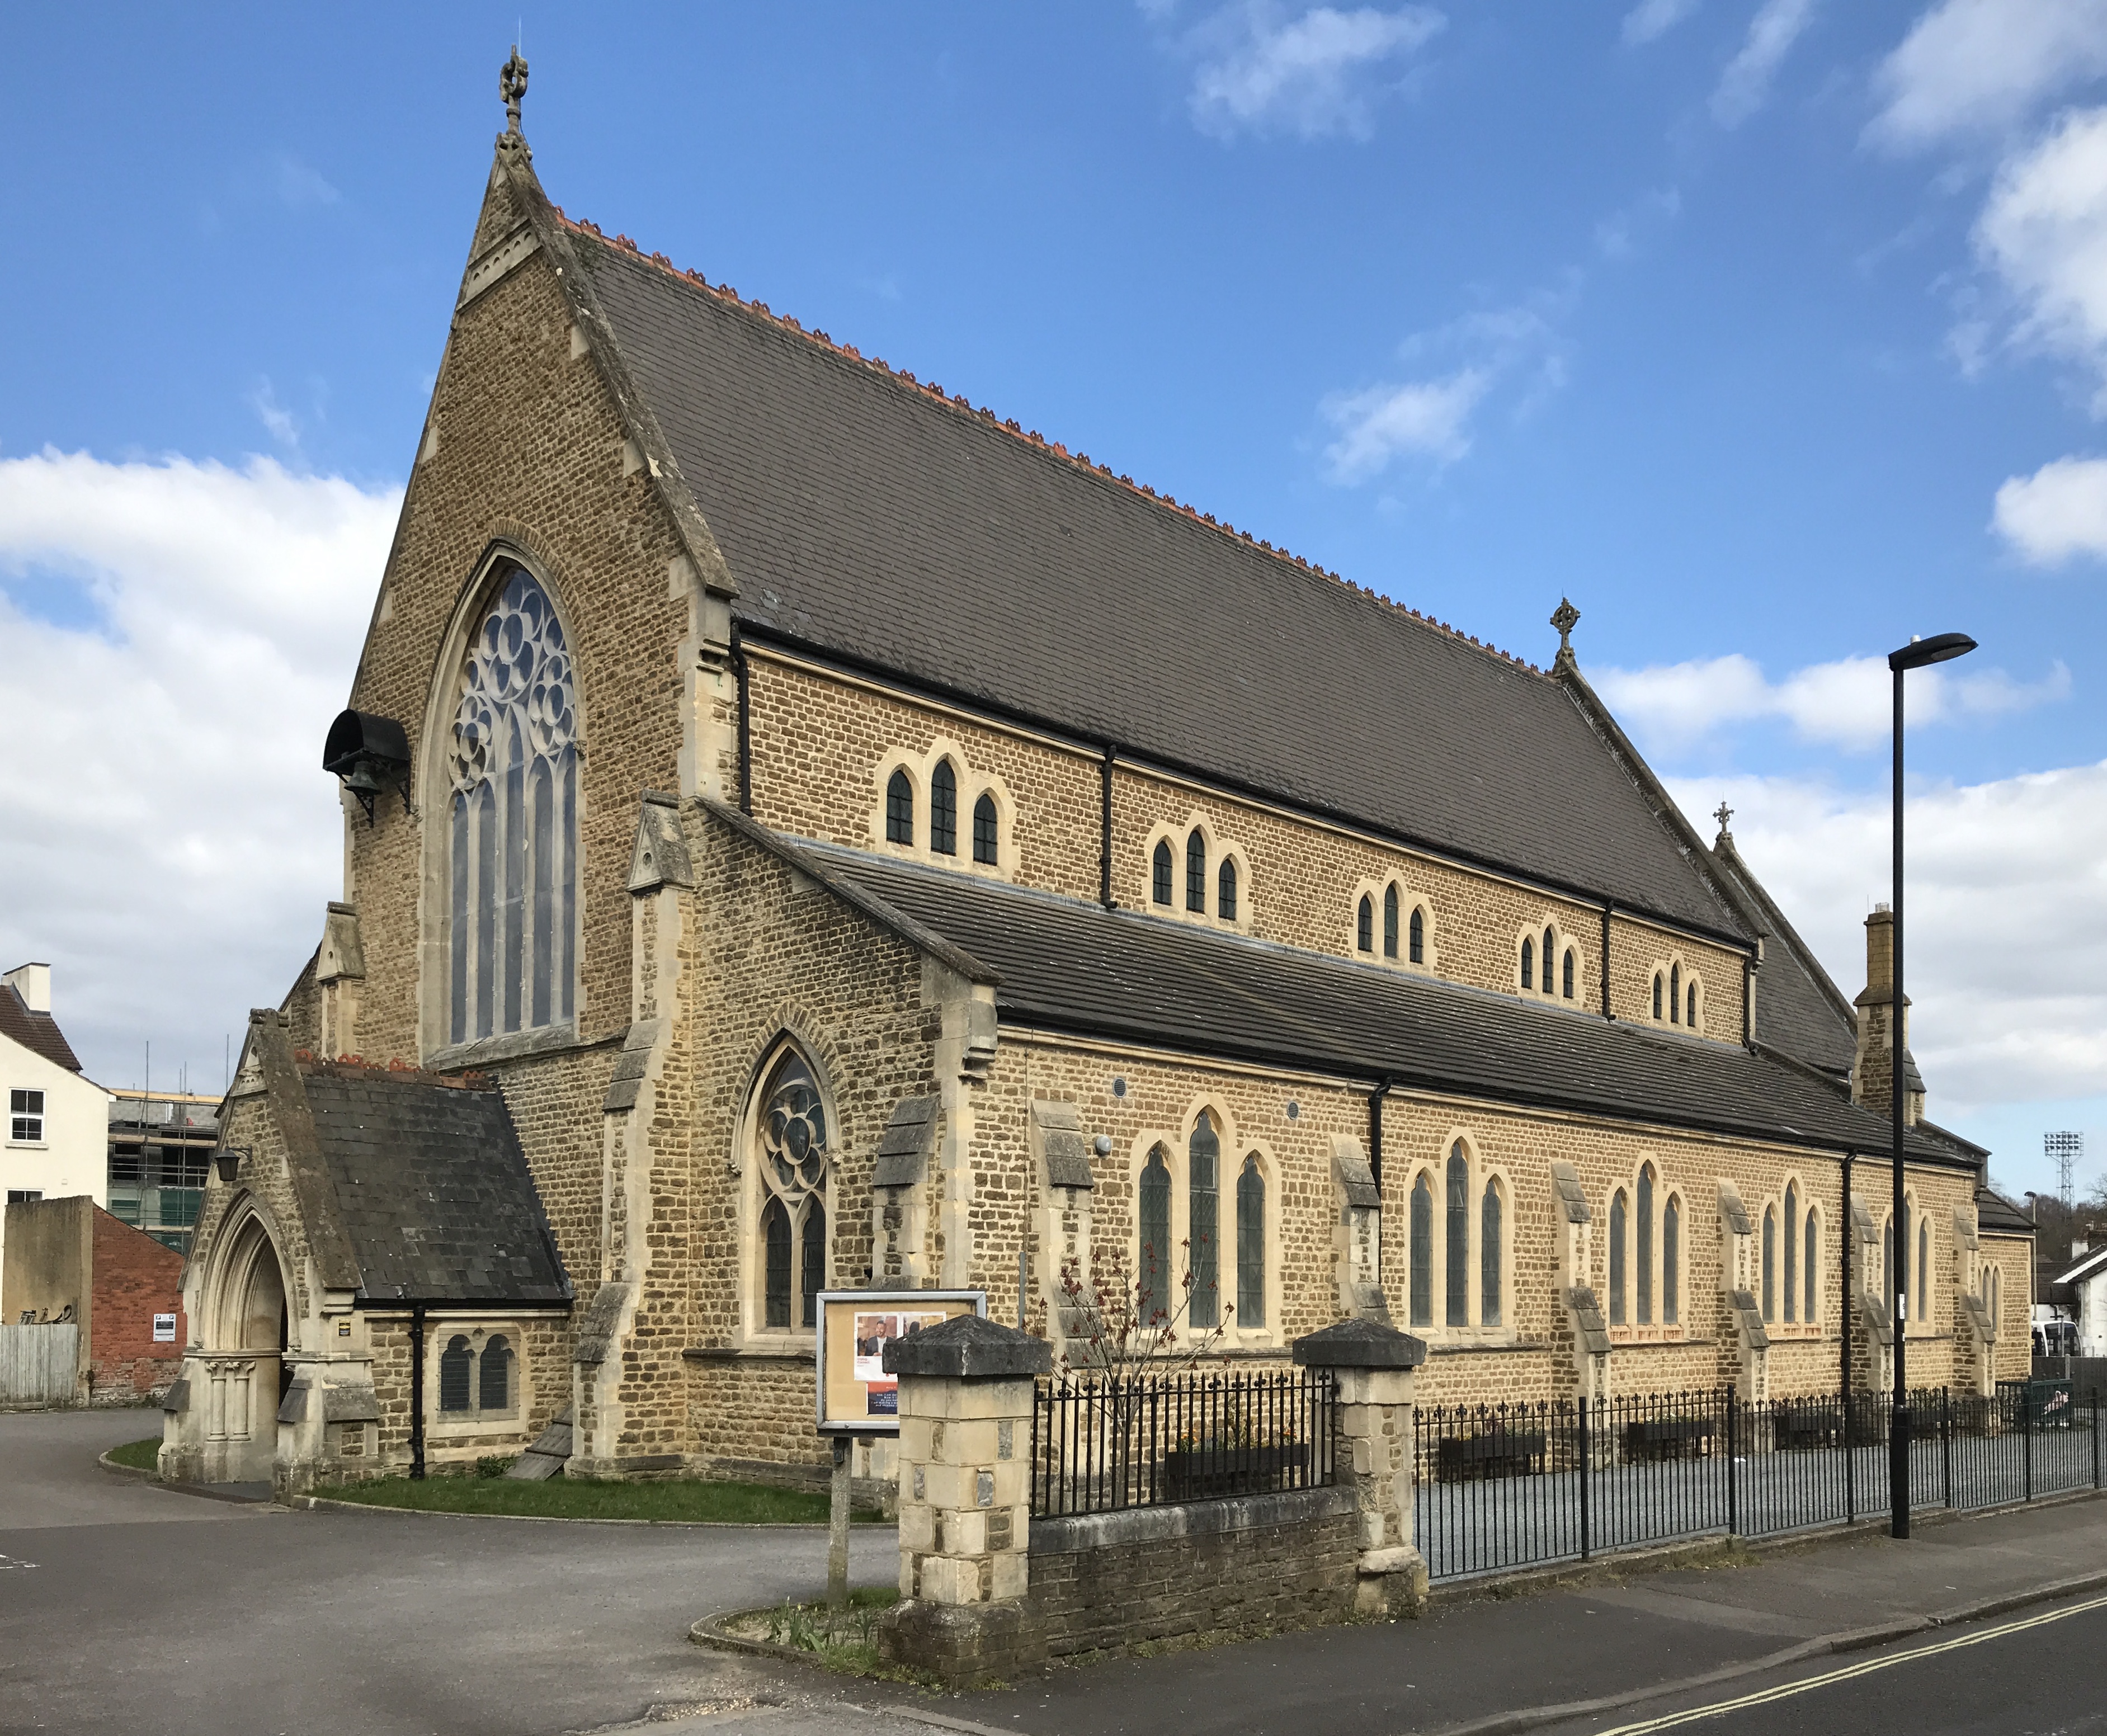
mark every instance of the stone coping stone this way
{"type": "Point", "coordinates": [1360, 1343]}
{"type": "Point", "coordinates": [1071, 1533]}
{"type": "Point", "coordinates": [968, 1348]}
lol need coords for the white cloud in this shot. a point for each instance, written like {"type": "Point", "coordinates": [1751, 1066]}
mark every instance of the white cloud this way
{"type": "Point", "coordinates": [171, 835]}
{"type": "Point", "coordinates": [1745, 85]}
{"type": "Point", "coordinates": [1652, 18]}
{"type": "Point", "coordinates": [1847, 703]}
{"type": "Point", "coordinates": [2058, 512]}
{"type": "Point", "coordinates": [1984, 67]}
{"type": "Point", "coordinates": [2007, 913]}
{"type": "Point", "coordinates": [1423, 418]}
{"type": "Point", "coordinates": [2044, 231]}
{"type": "Point", "coordinates": [1262, 71]}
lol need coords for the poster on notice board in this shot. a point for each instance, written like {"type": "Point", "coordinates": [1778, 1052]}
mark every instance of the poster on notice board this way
{"type": "Point", "coordinates": [856, 1394]}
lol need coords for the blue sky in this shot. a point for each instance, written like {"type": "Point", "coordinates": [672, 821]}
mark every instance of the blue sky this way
{"type": "Point", "coordinates": [1730, 320]}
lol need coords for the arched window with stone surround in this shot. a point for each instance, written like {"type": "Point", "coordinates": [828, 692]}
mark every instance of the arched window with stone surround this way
{"type": "Point", "coordinates": [1154, 1223]}
{"type": "Point", "coordinates": [1671, 1261]}
{"type": "Point", "coordinates": [1422, 1251]}
{"type": "Point", "coordinates": [1418, 935]}
{"type": "Point", "coordinates": [1656, 994]}
{"type": "Point", "coordinates": [1675, 995]}
{"type": "Point", "coordinates": [1195, 873]}
{"type": "Point", "coordinates": [1644, 1239]}
{"type": "Point", "coordinates": [1528, 962]}
{"type": "Point", "coordinates": [457, 1364]}
{"type": "Point", "coordinates": [793, 1160]}
{"type": "Point", "coordinates": [1566, 985]}
{"type": "Point", "coordinates": [1791, 1252]}
{"type": "Point", "coordinates": [1770, 1264]}
{"type": "Point", "coordinates": [944, 809]}
{"type": "Point", "coordinates": [1457, 1251]}
{"type": "Point", "coordinates": [1491, 1227]}
{"type": "Point", "coordinates": [987, 830]}
{"type": "Point", "coordinates": [1203, 1222]}
{"type": "Point", "coordinates": [1159, 873]}
{"type": "Point", "coordinates": [1225, 891]}
{"type": "Point", "coordinates": [1389, 922]}
{"type": "Point", "coordinates": [899, 808]}
{"type": "Point", "coordinates": [513, 820]}
{"type": "Point", "coordinates": [1619, 1224]}
{"type": "Point", "coordinates": [1690, 1005]}
{"type": "Point", "coordinates": [1364, 925]}
{"type": "Point", "coordinates": [494, 1374]}
{"type": "Point", "coordinates": [1810, 1272]}
{"type": "Point", "coordinates": [1550, 957]}
{"type": "Point", "coordinates": [1924, 1269]}
{"type": "Point", "coordinates": [1250, 1244]}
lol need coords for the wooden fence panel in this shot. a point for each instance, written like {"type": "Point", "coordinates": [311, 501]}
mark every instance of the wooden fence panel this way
{"type": "Point", "coordinates": [40, 1365]}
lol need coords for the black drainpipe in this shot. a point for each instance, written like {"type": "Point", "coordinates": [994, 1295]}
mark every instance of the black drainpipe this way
{"type": "Point", "coordinates": [1849, 1233]}
{"type": "Point", "coordinates": [1376, 1153]}
{"type": "Point", "coordinates": [417, 1392]}
{"type": "Point", "coordinates": [1105, 827]}
{"type": "Point", "coordinates": [745, 725]}
{"type": "Point", "coordinates": [1606, 1013]}
{"type": "Point", "coordinates": [1748, 1002]}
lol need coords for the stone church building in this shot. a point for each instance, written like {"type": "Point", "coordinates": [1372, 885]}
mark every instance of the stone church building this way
{"type": "Point", "coordinates": [803, 831]}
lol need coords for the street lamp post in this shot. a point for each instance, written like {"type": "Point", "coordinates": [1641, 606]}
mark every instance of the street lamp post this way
{"type": "Point", "coordinates": [1917, 654]}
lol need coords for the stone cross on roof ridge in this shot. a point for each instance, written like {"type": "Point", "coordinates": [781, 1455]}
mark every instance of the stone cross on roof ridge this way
{"type": "Point", "coordinates": [1566, 618]}
{"type": "Point", "coordinates": [1723, 814]}
{"type": "Point", "coordinates": [512, 86]}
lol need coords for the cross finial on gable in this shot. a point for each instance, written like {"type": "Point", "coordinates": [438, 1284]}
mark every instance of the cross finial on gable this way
{"type": "Point", "coordinates": [1723, 814]}
{"type": "Point", "coordinates": [512, 86]}
{"type": "Point", "coordinates": [1566, 618]}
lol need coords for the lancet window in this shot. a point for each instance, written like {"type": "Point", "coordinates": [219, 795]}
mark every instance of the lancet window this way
{"type": "Point", "coordinates": [513, 821]}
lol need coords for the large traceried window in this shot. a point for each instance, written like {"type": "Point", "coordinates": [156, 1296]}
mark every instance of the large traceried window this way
{"type": "Point", "coordinates": [792, 1136]}
{"type": "Point", "coordinates": [512, 822]}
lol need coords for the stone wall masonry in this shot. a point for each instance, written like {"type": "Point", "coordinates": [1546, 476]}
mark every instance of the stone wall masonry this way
{"type": "Point", "coordinates": [819, 740]}
{"type": "Point", "coordinates": [528, 449]}
{"type": "Point", "coordinates": [1105, 1582]}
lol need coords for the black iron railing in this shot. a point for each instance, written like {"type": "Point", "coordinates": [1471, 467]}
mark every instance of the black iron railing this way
{"type": "Point", "coordinates": [1501, 1487]}
{"type": "Point", "coordinates": [1100, 1443]}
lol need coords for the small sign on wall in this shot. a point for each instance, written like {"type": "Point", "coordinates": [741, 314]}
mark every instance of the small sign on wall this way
{"type": "Point", "coordinates": [856, 1395]}
{"type": "Point", "coordinates": [164, 1329]}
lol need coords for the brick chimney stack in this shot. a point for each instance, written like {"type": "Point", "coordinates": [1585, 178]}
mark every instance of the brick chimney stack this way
{"type": "Point", "coordinates": [1872, 1071]}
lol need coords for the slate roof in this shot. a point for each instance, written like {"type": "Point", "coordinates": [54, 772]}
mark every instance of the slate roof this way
{"type": "Point", "coordinates": [37, 1032]}
{"type": "Point", "coordinates": [1123, 975]}
{"type": "Point", "coordinates": [1995, 1214]}
{"type": "Point", "coordinates": [434, 1192]}
{"type": "Point", "coordinates": [1799, 1009]}
{"type": "Point", "coordinates": [869, 517]}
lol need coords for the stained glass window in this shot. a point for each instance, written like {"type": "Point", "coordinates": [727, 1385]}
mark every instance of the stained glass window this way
{"type": "Point", "coordinates": [1389, 922]}
{"type": "Point", "coordinates": [1810, 1274]}
{"type": "Point", "coordinates": [1791, 1252]}
{"type": "Point", "coordinates": [1203, 1156]}
{"type": "Point", "coordinates": [1251, 1244]}
{"type": "Point", "coordinates": [899, 808]}
{"type": "Point", "coordinates": [792, 1136]}
{"type": "Point", "coordinates": [1645, 1246]}
{"type": "Point", "coordinates": [1619, 1213]}
{"type": "Point", "coordinates": [1153, 1286]}
{"type": "Point", "coordinates": [1196, 873]}
{"type": "Point", "coordinates": [944, 809]}
{"type": "Point", "coordinates": [1225, 894]}
{"type": "Point", "coordinates": [512, 821]}
{"type": "Point", "coordinates": [1671, 1262]}
{"type": "Point", "coordinates": [1459, 1249]}
{"type": "Point", "coordinates": [988, 830]}
{"type": "Point", "coordinates": [1419, 937]}
{"type": "Point", "coordinates": [1422, 1251]}
{"type": "Point", "coordinates": [1160, 891]}
{"type": "Point", "coordinates": [1490, 1285]}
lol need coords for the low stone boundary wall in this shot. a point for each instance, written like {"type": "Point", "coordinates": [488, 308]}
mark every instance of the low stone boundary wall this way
{"type": "Point", "coordinates": [1102, 1581]}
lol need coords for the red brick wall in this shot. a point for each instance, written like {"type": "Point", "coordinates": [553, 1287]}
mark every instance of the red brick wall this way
{"type": "Point", "coordinates": [135, 1279]}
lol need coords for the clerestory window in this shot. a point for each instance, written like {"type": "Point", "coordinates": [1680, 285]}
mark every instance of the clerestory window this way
{"type": "Point", "coordinates": [1389, 922]}
{"type": "Point", "coordinates": [1418, 932]}
{"type": "Point", "coordinates": [513, 821]}
{"type": "Point", "coordinates": [1160, 888]}
{"type": "Point", "coordinates": [899, 808]}
{"type": "Point", "coordinates": [1364, 925]}
{"type": "Point", "coordinates": [987, 830]}
{"type": "Point", "coordinates": [1226, 897]}
{"type": "Point", "coordinates": [944, 809]}
{"type": "Point", "coordinates": [1195, 873]}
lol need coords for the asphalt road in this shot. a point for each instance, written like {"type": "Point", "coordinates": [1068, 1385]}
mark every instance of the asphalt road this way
{"type": "Point", "coordinates": [126, 1607]}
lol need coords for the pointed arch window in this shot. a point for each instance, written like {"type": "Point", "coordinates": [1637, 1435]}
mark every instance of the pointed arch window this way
{"type": "Point", "coordinates": [1770, 1264]}
{"type": "Point", "coordinates": [1528, 963]}
{"type": "Point", "coordinates": [1225, 891]}
{"type": "Point", "coordinates": [513, 820]}
{"type": "Point", "coordinates": [1675, 995]}
{"type": "Point", "coordinates": [1620, 1216]}
{"type": "Point", "coordinates": [1645, 1249]}
{"type": "Point", "coordinates": [794, 1159]}
{"type": "Point", "coordinates": [1250, 1244]}
{"type": "Point", "coordinates": [1203, 1220]}
{"type": "Point", "coordinates": [1550, 956]}
{"type": "Point", "coordinates": [944, 809]}
{"type": "Point", "coordinates": [987, 830]}
{"type": "Point", "coordinates": [494, 1374]}
{"type": "Point", "coordinates": [1565, 984]}
{"type": "Point", "coordinates": [1422, 1251]}
{"type": "Point", "coordinates": [1671, 1262]}
{"type": "Point", "coordinates": [1810, 1272]}
{"type": "Point", "coordinates": [1389, 922]}
{"type": "Point", "coordinates": [1154, 1286]}
{"type": "Point", "coordinates": [899, 808]}
{"type": "Point", "coordinates": [1195, 873]}
{"type": "Point", "coordinates": [1656, 994]}
{"type": "Point", "coordinates": [1419, 936]}
{"type": "Point", "coordinates": [1888, 1263]}
{"type": "Point", "coordinates": [1458, 1252]}
{"type": "Point", "coordinates": [1490, 1227]}
{"type": "Point", "coordinates": [1690, 1008]}
{"type": "Point", "coordinates": [1924, 1269]}
{"type": "Point", "coordinates": [1791, 1252]}
{"type": "Point", "coordinates": [1160, 887]}
{"type": "Point", "coordinates": [457, 1365]}
{"type": "Point", "coordinates": [1364, 925]}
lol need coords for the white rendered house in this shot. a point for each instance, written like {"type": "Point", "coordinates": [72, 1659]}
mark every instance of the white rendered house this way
{"type": "Point", "coordinates": [57, 1120]}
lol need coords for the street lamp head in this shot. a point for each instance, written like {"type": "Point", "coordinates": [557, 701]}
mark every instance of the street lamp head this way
{"type": "Point", "coordinates": [1940, 648]}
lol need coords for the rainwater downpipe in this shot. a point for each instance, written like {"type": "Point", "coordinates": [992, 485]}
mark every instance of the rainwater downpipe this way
{"type": "Point", "coordinates": [740, 670]}
{"type": "Point", "coordinates": [1606, 1013]}
{"type": "Point", "coordinates": [416, 1392]}
{"type": "Point", "coordinates": [1105, 826]}
{"type": "Point", "coordinates": [1376, 1157]}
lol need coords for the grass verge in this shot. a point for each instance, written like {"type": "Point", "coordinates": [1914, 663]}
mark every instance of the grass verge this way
{"type": "Point", "coordinates": [687, 1500]}
{"type": "Point", "coordinates": [844, 1639]}
{"type": "Point", "coordinates": [137, 1456]}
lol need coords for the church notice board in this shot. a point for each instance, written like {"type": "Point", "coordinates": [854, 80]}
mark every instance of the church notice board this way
{"type": "Point", "coordinates": [856, 1394]}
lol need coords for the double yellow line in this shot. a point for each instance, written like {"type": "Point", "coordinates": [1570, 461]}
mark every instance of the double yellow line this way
{"type": "Point", "coordinates": [1720, 1708]}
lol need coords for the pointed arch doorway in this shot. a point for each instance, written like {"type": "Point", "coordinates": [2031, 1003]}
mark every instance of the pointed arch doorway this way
{"type": "Point", "coordinates": [247, 1334]}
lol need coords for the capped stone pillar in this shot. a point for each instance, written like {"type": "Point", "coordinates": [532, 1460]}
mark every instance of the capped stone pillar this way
{"type": "Point", "coordinates": [965, 1519]}
{"type": "Point", "coordinates": [1371, 1365]}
